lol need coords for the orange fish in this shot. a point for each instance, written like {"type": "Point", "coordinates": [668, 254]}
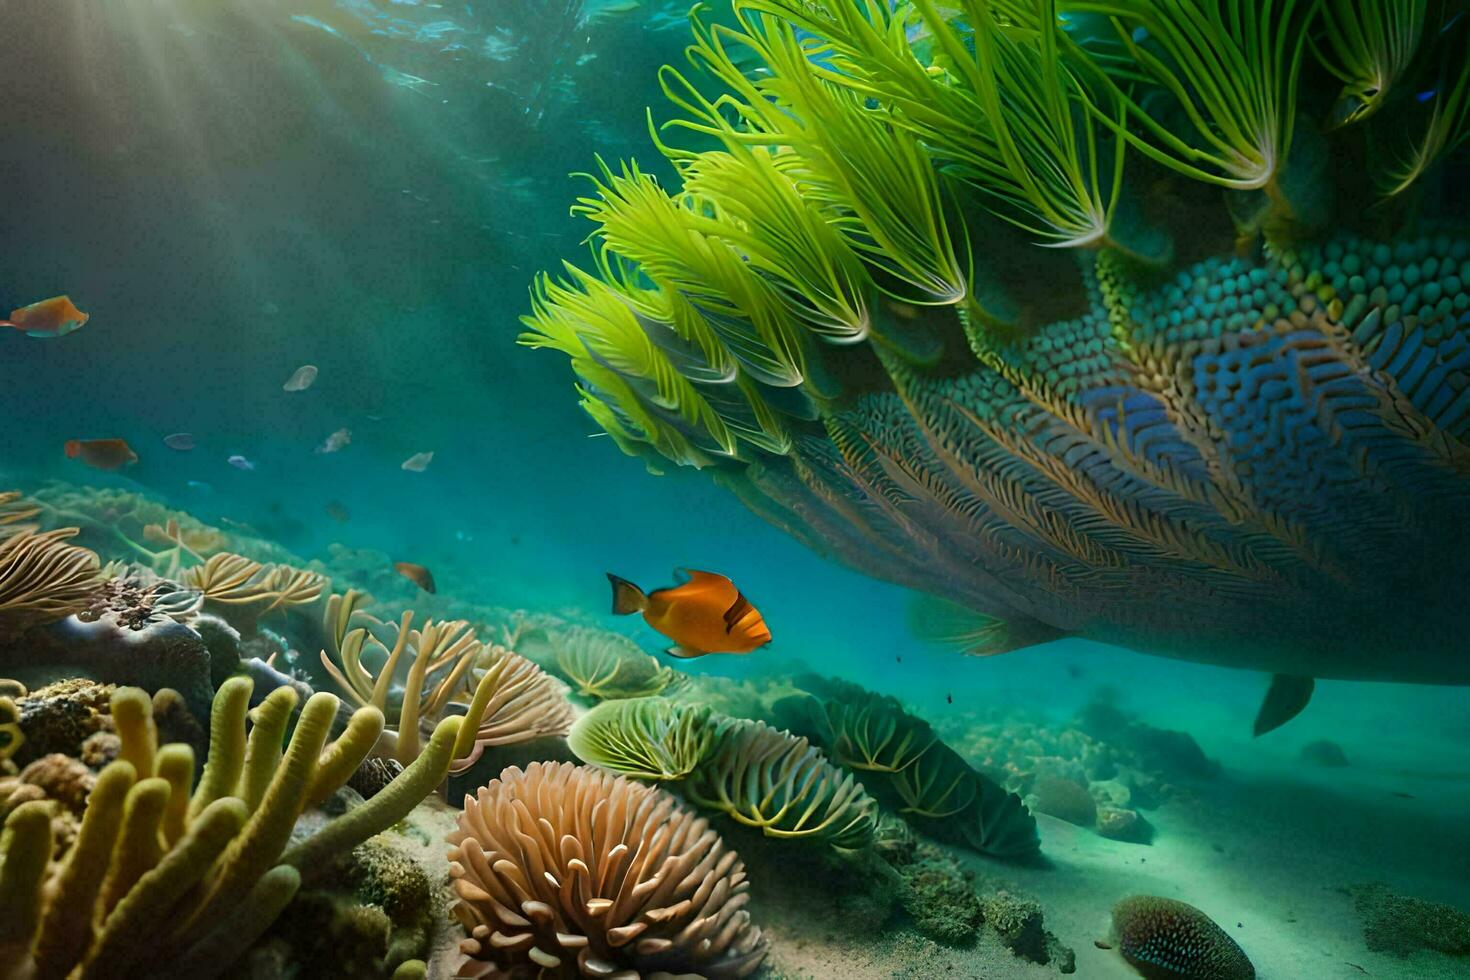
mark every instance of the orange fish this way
{"type": "Point", "coordinates": [417, 574]}
{"type": "Point", "coordinates": [55, 317]}
{"type": "Point", "coordinates": [706, 614]}
{"type": "Point", "coordinates": [102, 454]}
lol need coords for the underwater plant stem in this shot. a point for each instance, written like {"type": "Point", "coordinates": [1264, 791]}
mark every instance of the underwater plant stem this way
{"type": "Point", "coordinates": [390, 805]}
{"type": "Point", "coordinates": [132, 714]}
{"type": "Point", "coordinates": [343, 756]}
{"type": "Point", "coordinates": [139, 843]}
{"type": "Point", "coordinates": [135, 927]}
{"type": "Point", "coordinates": [263, 748]}
{"type": "Point", "coordinates": [256, 849]}
{"type": "Point", "coordinates": [223, 945]}
{"type": "Point", "coordinates": [226, 744]}
{"type": "Point", "coordinates": [176, 765]}
{"type": "Point", "coordinates": [67, 925]}
{"type": "Point", "coordinates": [27, 848]}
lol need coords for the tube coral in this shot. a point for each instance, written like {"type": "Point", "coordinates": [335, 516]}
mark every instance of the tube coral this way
{"type": "Point", "coordinates": [185, 883]}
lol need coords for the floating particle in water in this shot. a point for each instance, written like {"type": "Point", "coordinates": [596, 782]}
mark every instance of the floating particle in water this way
{"type": "Point", "coordinates": [182, 441]}
{"type": "Point", "coordinates": [338, 512]}
{"type": "Point", "coordinates": [269, 308]}
{"type": "Point", "coordinates": [199, 486]}
{"type": "Point", "coordinates": [304, 377]}
{"type": "Point", "coordinates": [241, 463]}
{"type": "Point", "coordinates": [101, 454]}
{"type": "Point", "coordinates": [418, 462]}
{"type": "Point", "coordinates": [335, 441]}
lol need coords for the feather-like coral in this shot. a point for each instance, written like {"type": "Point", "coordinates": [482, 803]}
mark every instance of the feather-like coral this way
{"type": "Point", "coordinates": [569, 871]}
{"type": "Point", "coordinates": [43, 577]}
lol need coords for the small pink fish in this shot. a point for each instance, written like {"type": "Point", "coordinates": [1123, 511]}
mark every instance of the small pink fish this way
{"type": "Point", "coordinates": [302, 379]}
{"type": "Point", "coordinates": [335, 441]}
{"type": "Point", "coordinates": [418, 462]}
{"type": "Point", "coordinates": [55, 317]}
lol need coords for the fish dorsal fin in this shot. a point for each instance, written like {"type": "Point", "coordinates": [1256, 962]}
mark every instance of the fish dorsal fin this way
{"type": "Point", "coordinates": [698, 579]}
{"type": "Point", "coordinates": [1284, 700]}
{"type": "Point", "coordinates": [939, 621]}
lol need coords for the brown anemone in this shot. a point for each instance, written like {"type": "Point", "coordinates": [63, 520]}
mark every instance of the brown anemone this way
{"type": "Point", "coordinates": [565, 871]}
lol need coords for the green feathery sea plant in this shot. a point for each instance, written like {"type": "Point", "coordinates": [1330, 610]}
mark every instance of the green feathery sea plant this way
{"type": "Point", "coordinates": [1369, 45]}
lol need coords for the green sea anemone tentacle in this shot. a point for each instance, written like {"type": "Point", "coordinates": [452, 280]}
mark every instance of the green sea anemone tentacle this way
{"type": "Point", "coordinates": [227, 741]}
{"type": "Point", "coordinates": [25, 850]}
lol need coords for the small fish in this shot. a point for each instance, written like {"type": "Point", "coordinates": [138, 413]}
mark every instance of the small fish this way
{"type": "Point", "coordinates": [704, 615]}
{"type": "Point", "coordinates": [269, 308]}
{"type": "Point", "coordinates": [303, 378]}
{"type": "Point", "coordinates": [182, 441]}
{"type": "Point", "coordinates": [338, 512]}
{"type": "Point", "coordinates": [240, 463]}
{"type": "Point", "coordinates": [418, 462]}
{"type": "Point", "coordinates": [949, 699]}
{"type": "Point", "coordinates": [199, 485]}
{"type": "Point", "coordinates": [335, 441]}
{"type": "Point", "coordinates": [55, 317]}
{"type": "Point", "coordinates": [101, 454]}
{"type": "Point", "coordinates": [417, 574]}
{"type": "Point", "coordinates": [898, 658]}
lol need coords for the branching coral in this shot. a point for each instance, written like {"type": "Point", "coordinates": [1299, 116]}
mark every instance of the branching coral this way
{"type": "Point", "coordinates": [43, 578]}
{"type": "Point", "coordinates": [506, 698]}
{"type": "Point", "coordinates": [568, 871]}
{"type": "Point", "coordinates": [648, 738]}
{"type": "Point", "coordinates": [184, 883]}
{"type": "Point", "coordinates": [763, 777]}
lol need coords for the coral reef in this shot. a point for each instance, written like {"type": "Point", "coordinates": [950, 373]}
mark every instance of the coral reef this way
{"type": "Point", "coordinates": [1164, 939]}
{"type": "Point", "coordinates": [559, 865]}
{"type": "Point", "coordinates": [187, 881]}
{"type": "Point", "coordinates": [1401, 925]}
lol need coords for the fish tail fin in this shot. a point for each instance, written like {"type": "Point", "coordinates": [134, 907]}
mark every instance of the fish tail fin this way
{"type": "Point", "coordinates": [945, 623]}
{"type": "Point", "coordinates": [1286, 698]}
{"type": "Point", "coordinates": [627, 597]}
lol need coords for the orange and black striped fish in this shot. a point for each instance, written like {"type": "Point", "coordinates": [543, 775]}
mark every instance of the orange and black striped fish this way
{"type": "Point", "coordinates": [102, 454]}
{"type": "Point", "coordinates": [417, 574]}
{"type": "Point", "coordinates": [706, 614]}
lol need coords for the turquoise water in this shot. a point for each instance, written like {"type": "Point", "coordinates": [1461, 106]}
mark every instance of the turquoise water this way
{"type": "Point", "coordinates": [234, 189]}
